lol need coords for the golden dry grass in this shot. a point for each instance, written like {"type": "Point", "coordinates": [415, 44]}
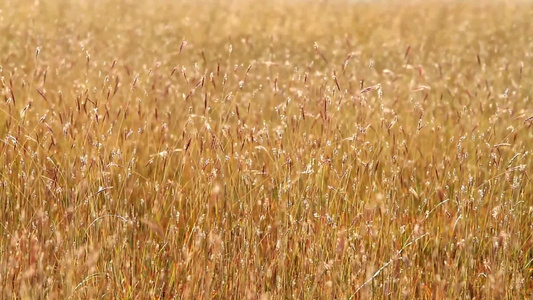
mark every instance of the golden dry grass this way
{"type": "Point", "coordinates": [272, 150]}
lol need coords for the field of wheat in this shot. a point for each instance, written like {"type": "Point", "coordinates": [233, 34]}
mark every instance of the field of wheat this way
{"type": "Point", "coordinates": [239, 149]}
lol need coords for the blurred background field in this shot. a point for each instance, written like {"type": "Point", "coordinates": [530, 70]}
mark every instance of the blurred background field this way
{"type": "Point", "coordinates": [266, 150]}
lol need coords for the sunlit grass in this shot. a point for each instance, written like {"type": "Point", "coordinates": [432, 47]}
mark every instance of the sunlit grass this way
{"type": "Point", "coordinates": [265, 150]}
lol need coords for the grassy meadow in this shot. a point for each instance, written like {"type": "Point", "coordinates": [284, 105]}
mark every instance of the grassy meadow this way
{"type": "Point", "coordinates": [276, 149]}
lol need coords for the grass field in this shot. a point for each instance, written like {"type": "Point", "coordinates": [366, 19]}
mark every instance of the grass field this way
{"type": "Point", "coordinates": [266, 150]}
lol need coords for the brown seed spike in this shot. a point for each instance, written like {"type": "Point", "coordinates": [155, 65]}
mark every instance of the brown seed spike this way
{"type": "Point", "coordinates": [407, 52]}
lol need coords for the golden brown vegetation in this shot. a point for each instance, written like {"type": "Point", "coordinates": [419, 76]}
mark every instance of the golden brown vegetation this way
{"type": "Point", "coordinates": [250, 149]}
